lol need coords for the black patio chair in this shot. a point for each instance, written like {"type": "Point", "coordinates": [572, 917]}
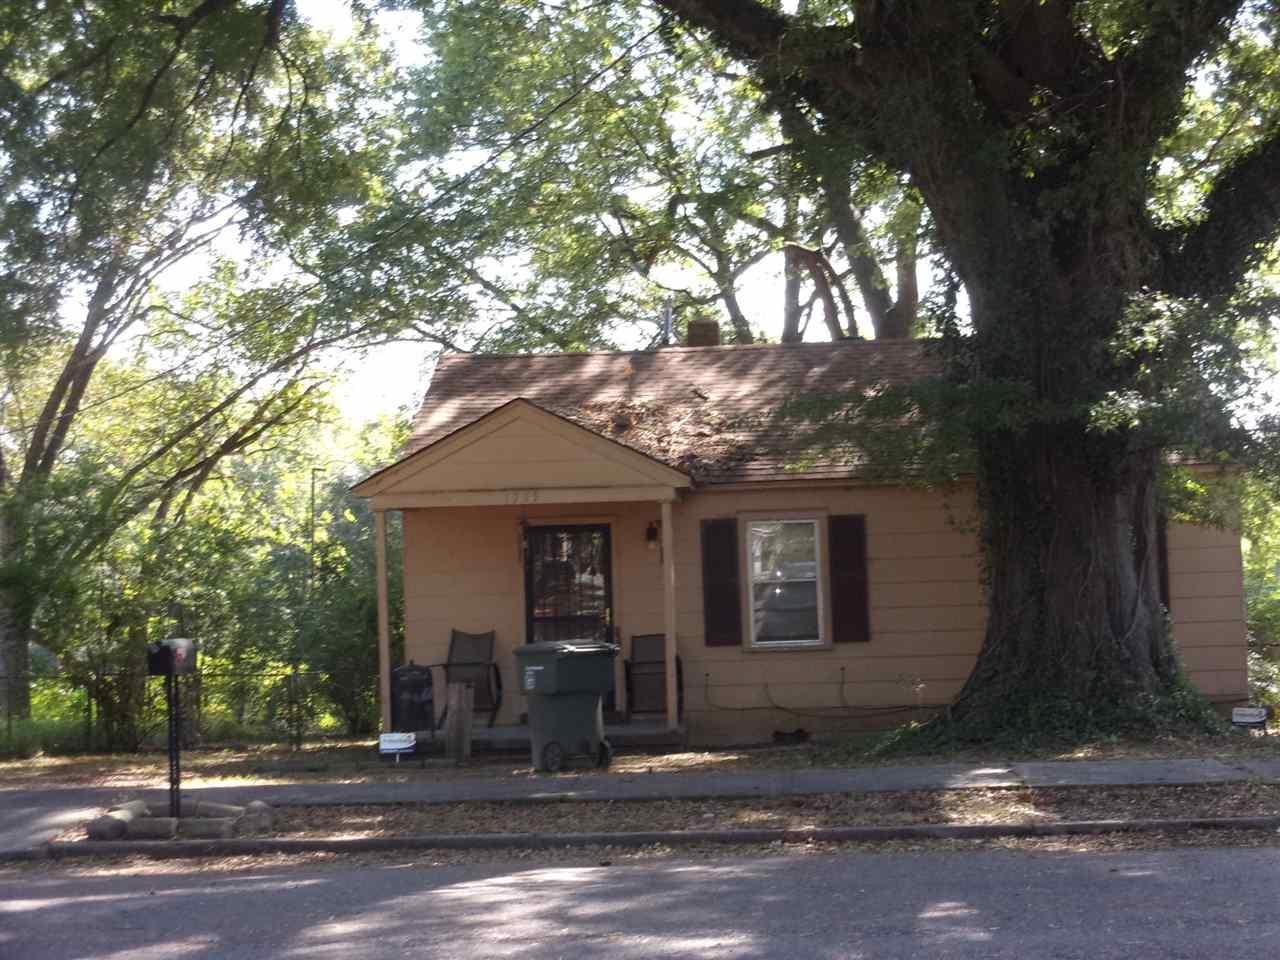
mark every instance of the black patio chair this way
{"type": "Point", "coordinates": [471, 661]}
{"type": "Point", "coordinates": [646, 676]}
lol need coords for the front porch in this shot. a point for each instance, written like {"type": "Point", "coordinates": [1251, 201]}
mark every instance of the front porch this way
{"type": "Point", "coordinates": [525, 526]}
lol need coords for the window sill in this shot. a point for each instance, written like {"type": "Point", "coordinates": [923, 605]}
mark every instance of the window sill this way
{"type": "Point", "coordinates": [787, 646]}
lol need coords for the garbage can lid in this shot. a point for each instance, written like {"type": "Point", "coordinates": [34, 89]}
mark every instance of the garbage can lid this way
{"type": "Point", "coordinates": [572, 648]}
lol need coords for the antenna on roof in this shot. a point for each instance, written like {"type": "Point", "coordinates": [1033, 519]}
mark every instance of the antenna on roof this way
{"type": "Point", "coordinates": [668, 321]}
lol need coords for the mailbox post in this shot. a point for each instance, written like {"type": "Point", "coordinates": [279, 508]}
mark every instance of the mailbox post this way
{"type": "Point", "coordinates": [170, 659]}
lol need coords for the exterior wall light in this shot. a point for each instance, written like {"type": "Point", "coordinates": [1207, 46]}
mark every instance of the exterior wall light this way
{"type": "Point", "coordinates": [651, 536]}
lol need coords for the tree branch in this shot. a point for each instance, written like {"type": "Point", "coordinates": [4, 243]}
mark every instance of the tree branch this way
{"type": "Point", "coordinates": [821, 63]}
{"type": "Point", "coordinates": [764, 153]}
{"type": "Point", "coordinates": [1041, 42]}
{"type": "Point", "coordinates": [749, 29]}
{"type": "Point", "coordinates": [64, 398]}
{"type": "Point", "coordinates": [1241, 222]}
{"type": "Point", "coordinates": [857, 250]}
{"type": "Point", "coordinates": [820, 272]}
{"type": "Point", "coordinates": [1147, 101]}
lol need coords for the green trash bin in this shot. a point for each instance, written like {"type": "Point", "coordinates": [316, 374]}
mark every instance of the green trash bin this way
{"type": "Point", "coordinates": [564, 682]}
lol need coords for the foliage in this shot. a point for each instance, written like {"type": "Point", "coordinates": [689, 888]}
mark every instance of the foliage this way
{"type": "Point", "coordinates": [168, 181]}
{"type": "Point", "coordinates": [1261, 527]}
{"type": "Point", "coordinates": [235, 571]}
{"type": "Point", "coordinates": [587, 162]}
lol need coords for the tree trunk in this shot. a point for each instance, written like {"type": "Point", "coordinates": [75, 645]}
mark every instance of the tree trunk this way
{"type": "Point", "coordinates": [1077, 639]}
{"type": "Point", "coordinates": [15, 658]}
{"type": "Point", "coordinates": [15, 635]}
{"type": "Point", "coordinates": [737, 319]}
{"type": "Point", "coordinates": [901, 317]}
{"type": "Point", "coordinates": [791, 332]}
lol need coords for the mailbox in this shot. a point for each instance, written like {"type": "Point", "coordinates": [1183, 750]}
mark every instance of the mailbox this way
{"type": "Point", "coordinates": [167, 658]}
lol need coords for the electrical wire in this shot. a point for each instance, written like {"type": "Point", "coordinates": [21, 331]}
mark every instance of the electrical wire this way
{"type": "Point", "coordinates": [859, 712]}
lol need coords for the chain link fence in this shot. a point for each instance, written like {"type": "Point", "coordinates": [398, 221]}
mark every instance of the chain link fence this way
{"type": "Point", "coordinates": [125, 711]}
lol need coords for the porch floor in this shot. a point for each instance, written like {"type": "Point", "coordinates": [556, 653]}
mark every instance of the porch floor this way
{"type": "Point", "coordinates": [513, 738]}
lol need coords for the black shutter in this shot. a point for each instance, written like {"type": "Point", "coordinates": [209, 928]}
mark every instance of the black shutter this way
{"type": "Point", "coordinates": [850, 599]}
{"type": "Point", "coordinates": [721, 597]}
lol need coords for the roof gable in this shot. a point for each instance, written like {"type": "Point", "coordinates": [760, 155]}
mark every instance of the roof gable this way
{"type": "Point", "coordinates": [519, 446]}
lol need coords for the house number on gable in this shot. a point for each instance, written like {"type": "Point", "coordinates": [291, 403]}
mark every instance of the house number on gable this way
{"type": "Point", "coordinates": [522, 496]}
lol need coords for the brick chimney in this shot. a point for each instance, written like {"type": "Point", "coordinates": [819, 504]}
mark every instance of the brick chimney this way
{"type": "Point", "coordinates": [703, 332]}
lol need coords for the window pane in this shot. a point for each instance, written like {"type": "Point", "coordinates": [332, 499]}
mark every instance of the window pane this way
{"type": "Point", "coordinates": [783, 550]}
{"type": "Point", "coordinates": [785, 611]}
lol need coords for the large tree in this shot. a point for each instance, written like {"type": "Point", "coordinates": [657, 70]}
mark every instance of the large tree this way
{"type": "Point", "coordinates": [594, 162]}
{"type": "Point", "coordinates": [145, 149]}
{"type": "Point", "coordinates": [1041, 135]}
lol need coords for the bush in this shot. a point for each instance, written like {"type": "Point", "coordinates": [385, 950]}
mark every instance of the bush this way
{"type": "Point", "coordinates": [57, 723]}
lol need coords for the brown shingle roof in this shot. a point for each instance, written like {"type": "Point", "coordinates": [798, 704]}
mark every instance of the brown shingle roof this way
{"type": "Point", "coordinates": [708, 411]}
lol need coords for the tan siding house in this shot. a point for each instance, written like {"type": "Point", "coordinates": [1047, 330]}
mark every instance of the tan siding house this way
{"type": "Point", "coordinates": [629, 494]}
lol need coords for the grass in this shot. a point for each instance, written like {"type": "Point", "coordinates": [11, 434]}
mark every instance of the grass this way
{"type": "Point", "coordinates": [357, 761]}
{"type": "Point", "coordinates": [26, 738]}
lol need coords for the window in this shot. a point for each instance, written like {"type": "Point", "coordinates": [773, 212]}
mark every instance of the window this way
{"type": "Point", "coordinates": [785, 583]}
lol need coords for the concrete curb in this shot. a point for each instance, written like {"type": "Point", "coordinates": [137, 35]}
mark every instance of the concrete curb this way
{"type": "Point", "coordinates": [182, 849]}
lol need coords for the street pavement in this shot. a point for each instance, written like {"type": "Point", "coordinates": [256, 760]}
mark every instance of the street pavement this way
{"type": "Point", "coordinates": [29, 817]}
{"type": "Point", "coordinates": [1170, 904]}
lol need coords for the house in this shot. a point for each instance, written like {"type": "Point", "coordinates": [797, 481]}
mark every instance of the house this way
{"type": "Point", "coordinates": [636, 493]}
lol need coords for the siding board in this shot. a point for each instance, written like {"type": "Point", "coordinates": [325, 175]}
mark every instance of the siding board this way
{"type": "Point", "coordinates": [1187, 586]}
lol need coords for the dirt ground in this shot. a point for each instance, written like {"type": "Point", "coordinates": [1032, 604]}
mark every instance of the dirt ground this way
{"type": "Point", "coordinates": [1011, 805]}
{"type": "Point", "coordinates": [986, 805]}
{"type": "Point", "coordinates": [357, 761]}
{"type": "Point", "coordinates": [606, 855]}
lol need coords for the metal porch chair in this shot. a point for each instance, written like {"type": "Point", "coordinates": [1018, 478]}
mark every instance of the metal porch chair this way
{"type": "Point", "coordinates": [471, 661]}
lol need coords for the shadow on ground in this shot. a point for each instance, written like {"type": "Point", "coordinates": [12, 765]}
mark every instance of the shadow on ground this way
{"type": "Point", "coordinates": [990, 904]}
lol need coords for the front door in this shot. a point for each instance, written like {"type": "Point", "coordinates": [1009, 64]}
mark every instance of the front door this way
{"type": "Point", "coordinates": [568, 583]}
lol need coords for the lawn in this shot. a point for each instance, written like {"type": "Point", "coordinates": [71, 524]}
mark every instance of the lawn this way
{"type": "Point", "coordinates": [357, 761]}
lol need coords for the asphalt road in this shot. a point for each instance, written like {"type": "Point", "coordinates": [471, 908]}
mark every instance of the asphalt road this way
{"type": "Point", "coordinates": [1166, 904]}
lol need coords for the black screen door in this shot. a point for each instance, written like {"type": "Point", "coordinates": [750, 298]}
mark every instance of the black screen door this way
{"type": "Point", "coordinates": [568, 583]}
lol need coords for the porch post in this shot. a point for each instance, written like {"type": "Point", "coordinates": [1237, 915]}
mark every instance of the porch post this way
{"type": "Point", "coordinates": [384, 618]}
{"type": "Point", "coordinates": [669, 609]}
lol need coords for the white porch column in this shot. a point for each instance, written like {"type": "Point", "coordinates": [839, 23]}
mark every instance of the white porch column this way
{"type": "Point", "coordinates": [669, 609]}
{"type": "Point", "coordinates": [384, 618]}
